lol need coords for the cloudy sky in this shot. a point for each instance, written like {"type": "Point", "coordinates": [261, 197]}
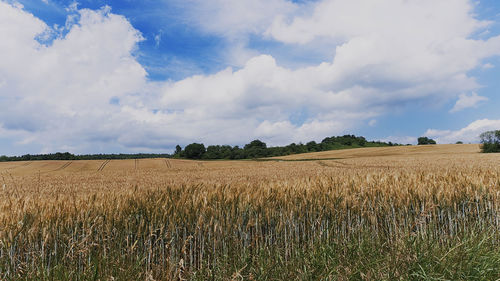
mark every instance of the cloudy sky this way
{"type": "Point", "coordinates": [105, 76]}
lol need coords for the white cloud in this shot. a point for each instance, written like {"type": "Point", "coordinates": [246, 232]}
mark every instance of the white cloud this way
{"type": "Point", "coordinates": [235, 18]}
{"type": "Point", "coordinates": [87, 91]}
{"type": "Point", "coordinates": [235, 22]}
{"type": "Point", "coordinates": [60, 92]}
{"type": "Point", "coordinates": [395, 20]}
{"type": "Point", "coordinates": [279, 133]}
{"type": "Point", "coordinates": [157, 38]}
{"type": "Point", "coordinates": [468, 134]}
{"type": "Point", "coordinates": [408, 50]}
{"type": "Point", "coordinates": [488, 66]}
{"type": "Point", "coordinates": [394, 42]}
{"type": "Point", "coordinates": [72, 7]}
{"type": "Point", "coordinates": [465, 101]}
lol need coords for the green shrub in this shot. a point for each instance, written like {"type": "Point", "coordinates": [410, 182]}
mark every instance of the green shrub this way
{"type": "Point", "coordinates": [425, 140]}
{"type": "Point", "coordinates": [490, 141]}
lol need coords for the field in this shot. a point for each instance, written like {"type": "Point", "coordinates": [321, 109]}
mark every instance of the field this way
{"type": "Point", "coordinates": [392, 213]}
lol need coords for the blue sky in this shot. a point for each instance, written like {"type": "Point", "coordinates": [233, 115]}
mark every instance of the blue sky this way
{"type": "Point", "coordinates": [134, 76]}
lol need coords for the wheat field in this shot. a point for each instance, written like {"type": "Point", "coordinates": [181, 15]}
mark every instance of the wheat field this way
{"type": "Point", "coordinates": [394, 213]}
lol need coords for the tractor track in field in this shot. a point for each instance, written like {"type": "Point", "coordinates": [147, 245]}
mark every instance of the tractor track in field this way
{"type": "Point", "coordinates": [168, 164]}
{"type": "Point", "coordinates": [103, 165]}
{"type": "Point", "coordinates": [66, 165]}
{"type": "Point", "coordinates": [349, 166]}
{"type": "Point", "coordinates": [136, 164]}
{"type": "Point", "coordinates": [18, 166]}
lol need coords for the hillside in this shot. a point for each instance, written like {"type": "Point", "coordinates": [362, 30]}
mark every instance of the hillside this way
{"type": "Point", "coordinates": [404, 151]}
{"type": "Point", "coordinates": [381, 156]}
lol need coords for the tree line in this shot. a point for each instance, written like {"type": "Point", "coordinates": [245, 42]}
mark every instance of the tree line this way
{"type": "Point", "coordinates": [69, 156]}
{"type": "Point", "coordinates": [259, 149]}
{"type": "Point", "coordinates": [252, 150]}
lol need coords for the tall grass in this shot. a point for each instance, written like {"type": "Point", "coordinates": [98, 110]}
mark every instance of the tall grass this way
{"type": "Point", "coordinates": [297, 221]}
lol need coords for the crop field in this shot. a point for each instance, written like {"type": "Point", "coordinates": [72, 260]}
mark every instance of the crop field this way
{"type": "Point", "coordinates": [391, 213]}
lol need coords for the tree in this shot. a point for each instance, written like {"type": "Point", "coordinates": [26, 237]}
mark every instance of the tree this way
{"type": "Point", "coordinates": [218, 152]}
{"type": "Point", "coordinates": [361, 141]}
{"type": "Point", "coordinates": [490, 141]}
{"type": "Point", "coordinates": [256, 144]}
{"type": "Point", "coordinates": [255, 149]}
{"type": "Point", "coordinates": [194, 151]}
{"type": "Point", "coordinates": [425, 140]}
{"type": "Point", "coordinates": [178, 150]}
{"type": "Point", "coordinates": [459, 142]}
{"type": "Point", "coordinates": [312, 146]}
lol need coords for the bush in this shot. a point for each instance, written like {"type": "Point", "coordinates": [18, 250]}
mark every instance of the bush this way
{"type": "Point", "coordinates": [425, 140]}
{"type": "Point", "coordinates": [255, 149]}
{"type": "Point", "coordinates": [490, 141]}
{"type": "Point", "coordinates": [194, 151]}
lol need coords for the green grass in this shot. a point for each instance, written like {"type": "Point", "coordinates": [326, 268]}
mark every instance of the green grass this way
{"type": "Point", "coordinates": [147, 241]}
{"type": "Point", "coordinates": [469, 256]}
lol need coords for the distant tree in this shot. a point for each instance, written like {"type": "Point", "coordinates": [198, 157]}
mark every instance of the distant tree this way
{"type": "Point", "coordinates": [256, 144]}
{"type": "Point", "coordinates": [237, 153]}
{"type": "Point", "coordinates": [218, 152]}
{"type": "Point", "coordinates": [345, 140]}
{"type": "Point", "coordinates": [361, 141]}
{"type": "Point", "coordinates": [59, 156]}
{"type": "Point", "coordinates": [312, 146]}
{"type": "Point", "coordinates": [490, 141]}
{"type": "Point", "coordinates": [178, 150]}
{"type": "Point", "coordinates": [213, 152]}
{"type": "Point", "coordinates": [425, 140]}
{"type": "Point", "coordinates": [226, 152]}
{"type": "Point", "coordinates": [459, 142]}
{"type": "Point", "coordinates": [255, 149]}
{"type": "Point", "coordinates": [194, 151]}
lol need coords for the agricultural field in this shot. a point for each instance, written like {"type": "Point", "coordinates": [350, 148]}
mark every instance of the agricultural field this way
{"type": "Point", "coordinates": [391, 213]}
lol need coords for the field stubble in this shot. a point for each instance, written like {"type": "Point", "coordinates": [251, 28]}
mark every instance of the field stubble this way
{"type": "Point", "coordinates": [375, 214]}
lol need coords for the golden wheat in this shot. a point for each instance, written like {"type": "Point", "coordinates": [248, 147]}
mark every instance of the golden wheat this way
{"type": "Point", "coordinates": [179, 216]}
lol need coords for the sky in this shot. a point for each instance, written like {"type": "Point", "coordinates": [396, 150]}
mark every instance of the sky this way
{"type": "Point", "coordinates": [106, 76]}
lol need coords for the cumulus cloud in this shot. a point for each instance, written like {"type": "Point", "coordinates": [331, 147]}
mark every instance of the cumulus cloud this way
{"type": "Point", "coordinates": [466, 101]}
{"type": "Point", "coordinates": [394, 42]}
{"type": "Point", "coordinates": [60, 92]}
{"type": "Point", "coordinates": [86, 90]}
{"type": "Point", "coordinates": [419, 21]}
{"type": "Point", "coordinates": [234, 22]}
{"type": "Point", "coordinates": [235, 19]}
{"type": "Point", "coordinates": [468, 134]}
